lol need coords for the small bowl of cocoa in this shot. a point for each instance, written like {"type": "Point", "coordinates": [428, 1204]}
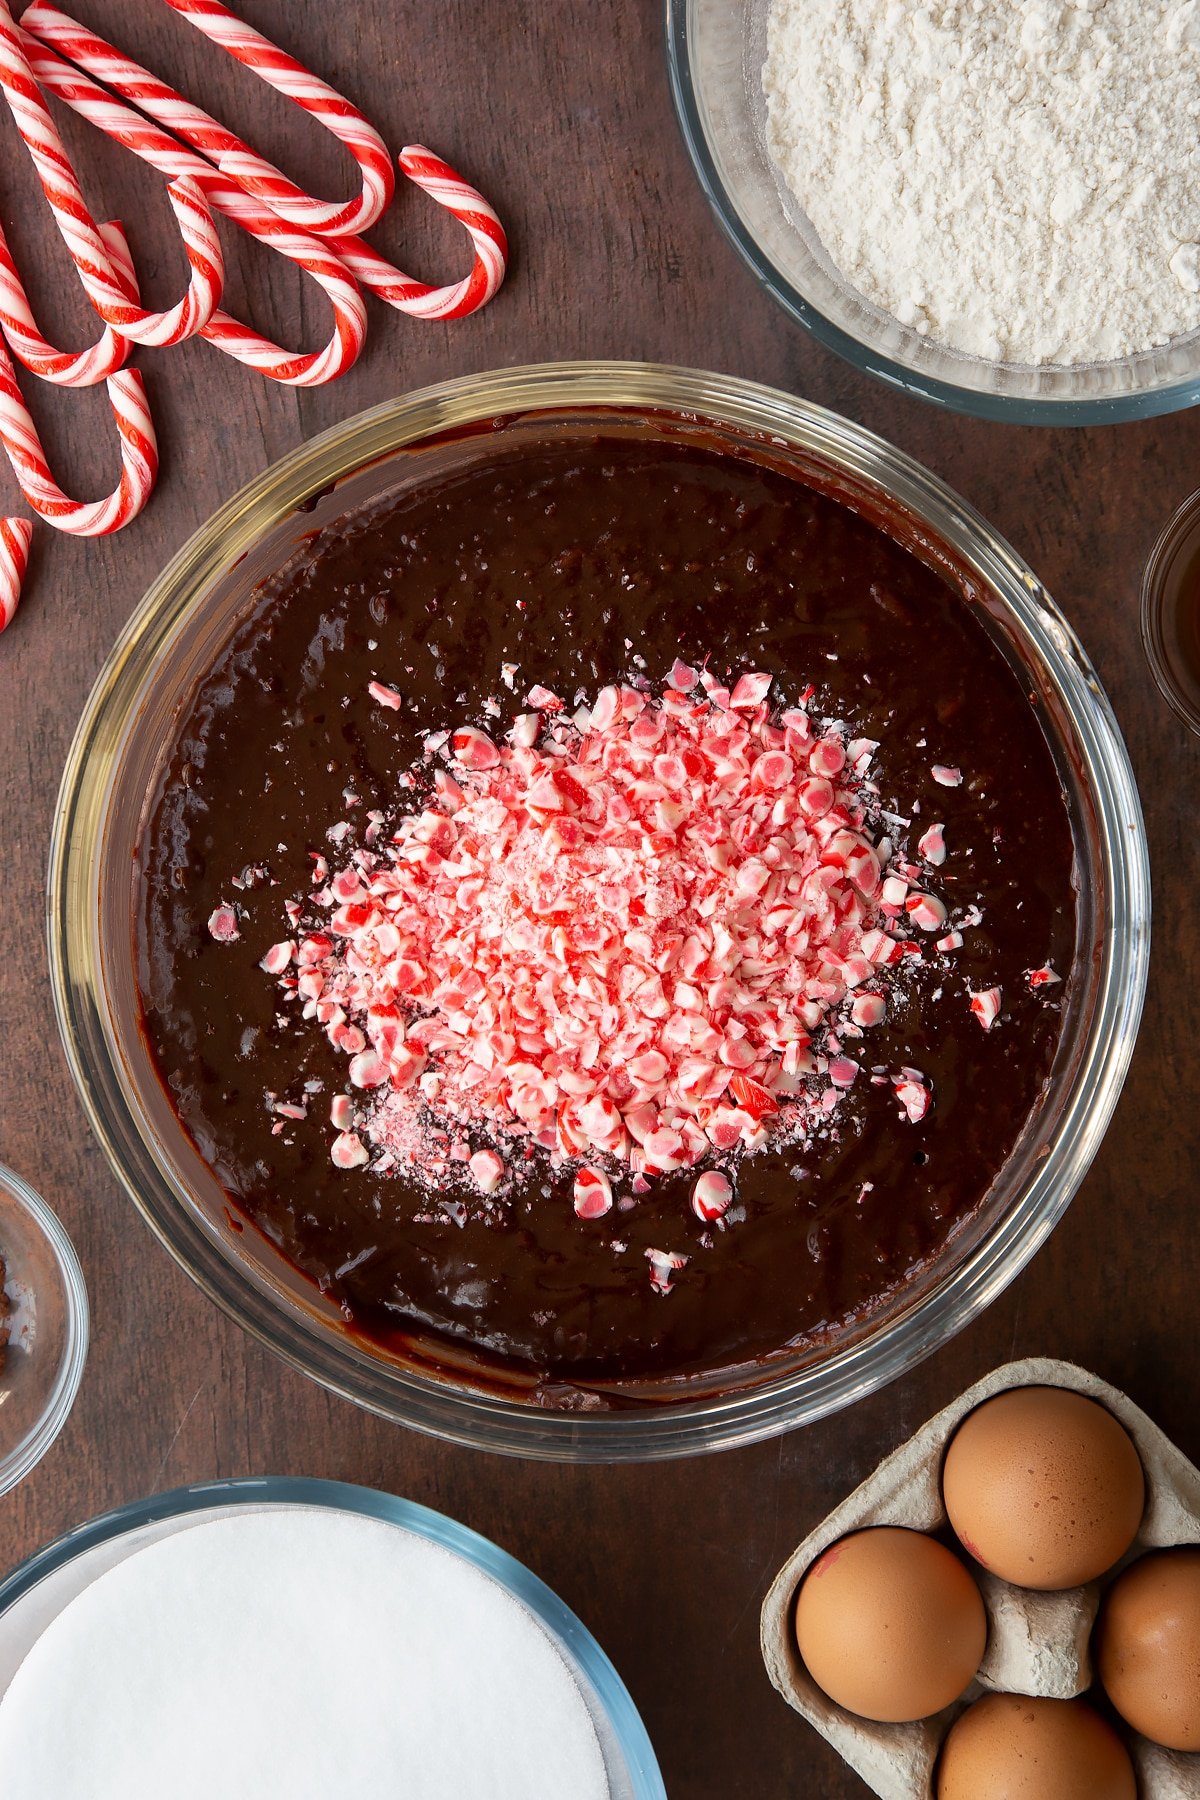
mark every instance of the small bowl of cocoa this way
{"type": "Point", "coordinates": [1171, 612]}
{"type": "Point", "coordinates": [43, 1328]}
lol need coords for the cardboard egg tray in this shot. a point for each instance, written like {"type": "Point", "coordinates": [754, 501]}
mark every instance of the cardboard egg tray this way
{"type": "Point", "coordinates": [1038, 1643]}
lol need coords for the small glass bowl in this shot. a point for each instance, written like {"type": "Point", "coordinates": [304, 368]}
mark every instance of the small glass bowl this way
{"type": "Point", "coordinates": [48, 1329]}
{"type": "Point", "coordinates": [716, 50]}
{"type": "Point", "coordinates": [170, 644]}
{"type": "Point", "coordinates": [1162, 594]}
{"type": "Point", "coordinates": [34, 1594]}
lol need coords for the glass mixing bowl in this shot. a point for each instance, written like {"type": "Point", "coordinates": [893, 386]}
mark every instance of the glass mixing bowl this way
{"type": "Point", "coordinates": [716, 50]}
{"type": "Point", "coordinates": [128, 726]}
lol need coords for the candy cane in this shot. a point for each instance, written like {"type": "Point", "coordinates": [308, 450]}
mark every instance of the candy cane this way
{"type": "Point", "coordinates": [121, 257]}
{"type": "Point", "coordinates": [16, 535]}
{"type": "Point", "coordinates": [53, 28]}
{"type": "Point", "coordinates": [321, 102]}
{"type": "Point", "coordinates": [64, 368]}
{"type": "Point", "coordinates": [487, 235]}
{"type": "Point", "coordinates": [79, 230]}
{"type": "Point", "coordinates": [139, 457]}
{"type": "Point", "coordinates": [146, 140]}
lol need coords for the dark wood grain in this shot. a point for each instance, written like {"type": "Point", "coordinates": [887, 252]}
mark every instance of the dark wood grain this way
{"type": "Point", "coordinates": [561, 114]}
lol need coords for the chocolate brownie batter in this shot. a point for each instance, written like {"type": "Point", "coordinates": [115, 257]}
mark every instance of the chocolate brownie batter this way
{"type": "Point", "coordinates": [572, 558]}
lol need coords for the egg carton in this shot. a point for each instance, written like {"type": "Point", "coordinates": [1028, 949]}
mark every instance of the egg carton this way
{"type": "Point", "coordinates": [1038, 1643]}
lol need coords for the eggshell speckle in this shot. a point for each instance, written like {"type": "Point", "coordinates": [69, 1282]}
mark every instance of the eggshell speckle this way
{"type": "Point", "coordinates": [1043, 1487]}
{"type": "Point", "coordinates": [890, 1624]}
{"type": "Point", "coordinates": [1148, 1656]}
{"type": "Point", "coordinates": [1009, 1747]}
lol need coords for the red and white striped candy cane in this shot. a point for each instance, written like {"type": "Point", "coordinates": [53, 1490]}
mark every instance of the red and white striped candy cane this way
{"type": "Point", "coordinates": [16, 535]}
{"type": "Point", "coordinates": [139, 457]}
{"type": "Point", "coordinates": [65, 368]}
{"type": "Point", "coordinates": [321, 102]}
{"type": "Point", "coordinates": [472, 211]}
{"type": "Point", "coordinates": [153, 97]}
{"type": "Point", "coordinates": [146, 140]}
{"type": "Point", "coordinates": [121, 257]}
{"type": "Point", "coordinates": [79, 230]}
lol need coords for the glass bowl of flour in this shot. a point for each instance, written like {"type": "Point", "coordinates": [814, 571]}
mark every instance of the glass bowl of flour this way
{"type": "Point", "coordinates": [993, 205]}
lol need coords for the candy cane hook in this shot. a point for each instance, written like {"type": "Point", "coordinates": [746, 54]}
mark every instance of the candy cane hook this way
{"type": "Point", "coordinates": [175, 114]}
{"type": "Point", "coordinates": [139, 457]}
{"type": "Point", "coordinates": [65, 368]}
{"type": "Point", "coordinates": [323, 103]}
{"type": "Point", "coordinates": [171, 158]}
{"type": "Point", "coordinates": [79, 230]}
{"type": "Point", "coordinates": [472, 211]}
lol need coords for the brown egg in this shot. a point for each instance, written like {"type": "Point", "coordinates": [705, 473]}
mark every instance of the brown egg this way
{"type": "Point", "coordinates": [1148, 1654]}
{"type": "Point", "coordinates": [1043, 1487]}
{"type": "Point", "coordinates": [890, 1624]}
{"type": "Point", "coordinates": [1008, 1747]}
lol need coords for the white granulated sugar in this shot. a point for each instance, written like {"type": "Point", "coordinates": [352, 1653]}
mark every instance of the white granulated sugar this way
{"type": "Point", "coordinates": [1016, 179]}
{"type": "Point", "coordinates": [297, 1654]}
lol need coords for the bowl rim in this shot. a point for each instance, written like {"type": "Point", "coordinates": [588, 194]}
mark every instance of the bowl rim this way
{"type": "Point", "coordinates": [669, 1430]}
{"type": "Point", "coordinates": [514, 1576]}
{"type": "Point", "coordinates": [955, 397]}
{"type": "Point", "coordinates": [25, 1455]}
{"type": "Point", "coordinates": [1181, 529]}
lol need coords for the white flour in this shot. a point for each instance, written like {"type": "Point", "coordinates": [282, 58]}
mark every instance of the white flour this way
{"type": "Point", "coordinates": [1018, 179]}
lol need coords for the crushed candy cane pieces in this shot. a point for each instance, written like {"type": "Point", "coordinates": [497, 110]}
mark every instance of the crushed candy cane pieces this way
{"type": "Point", "coordinates": [617, 938]}
{"type": "Point", "coordinates": [749, 690]}
{"type": "Point", "coordinates": [1043, 977]}
{"type": "Point", "coordinates": [593, 1193]}
{"type": "Point", "coordinates": [663, 1265]}
{"type": "Point", "coordinates": [946, 776]}
{"type": "Point", "coordinates": [543, 699]}
{"type": "Point", "coordinates": [932, 846]}
{"type": "Point", "coordinates": [868, 1009]}
{"type": "Point", "coordinates": [348, 1151]}
{"type": "Point", "coordinates": [986, 1006]}
{"type": "Point", "coordinates": [711, 1196]}
{"type": "Point", "coordinates": [487, 1169]}
{"type": "Point", "coordinates": [925, 911]}
{"type": "Point", "coordinates": [474, 749]}
{"type": "Point", "coordinates": [913, 1096]}
{"type": "Point", "coordinates": [627, 937]}
{"type": "Point", "coordinates": [223, 925]}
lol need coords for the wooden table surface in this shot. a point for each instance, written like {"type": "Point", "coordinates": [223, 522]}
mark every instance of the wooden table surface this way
{"type": "Point", "coordinates": [562, 116]}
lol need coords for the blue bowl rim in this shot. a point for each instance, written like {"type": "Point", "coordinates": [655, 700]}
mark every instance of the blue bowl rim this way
{"type": "Point", "coordinates": [342, 1496]}
{"type": "Point", "coordinates": [998, 407]}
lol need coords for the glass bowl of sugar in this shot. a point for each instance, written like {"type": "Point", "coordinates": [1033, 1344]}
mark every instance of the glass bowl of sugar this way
{"type": "Point", "coordinates": [380, 1636]}
{"type": "Point", "coordinates": [984, 221]}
